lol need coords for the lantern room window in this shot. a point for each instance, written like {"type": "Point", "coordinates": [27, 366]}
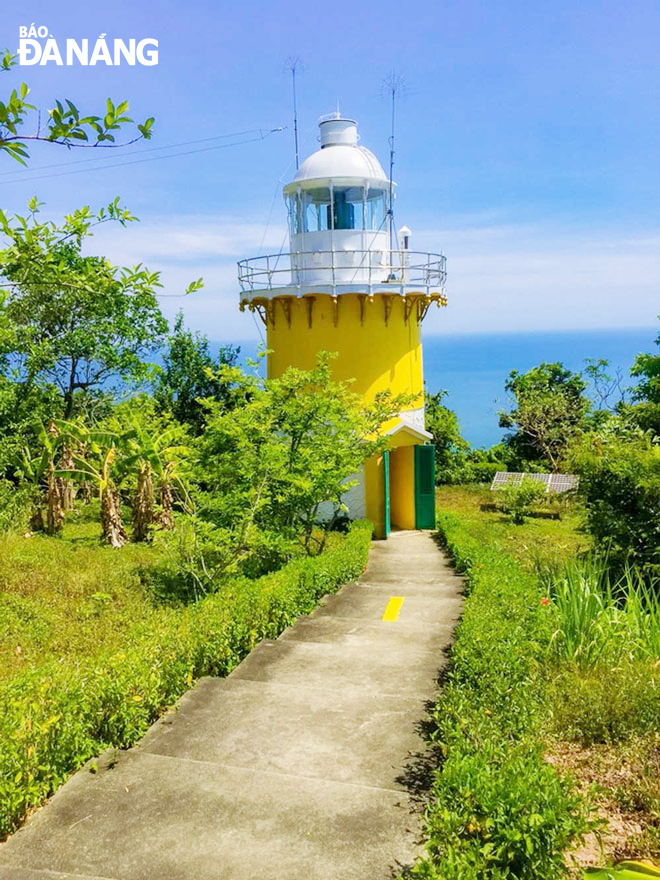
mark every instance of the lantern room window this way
{"type": "Point", "coordinates": [312, 211]}
{"type": "Point", "coordinates": [376, 209]}
{"type": "Point", "coordinates": [340, 208]}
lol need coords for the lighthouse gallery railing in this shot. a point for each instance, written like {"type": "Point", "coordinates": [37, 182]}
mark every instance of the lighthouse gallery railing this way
{"type": "Point", "coordinates": [343, 269]}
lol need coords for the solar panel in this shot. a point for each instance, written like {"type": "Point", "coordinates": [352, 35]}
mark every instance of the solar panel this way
{"type": "Point", "coordinates": [540, 478]}
{"type": "Point", "coordinates": [504, 478]}
{"type": "Point", "coordinates": [563, 482]}
{"type": "Point", "coordinates": [557, 483]}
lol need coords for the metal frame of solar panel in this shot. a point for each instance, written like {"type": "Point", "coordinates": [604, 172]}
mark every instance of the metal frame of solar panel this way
{"type": "Point", "coordinates": [558, 483]}
{"type": "Point", "coordinates": [563, 483]}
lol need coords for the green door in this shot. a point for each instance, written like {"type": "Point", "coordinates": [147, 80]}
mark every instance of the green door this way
{"type": "Point", "coordinates": [425, 487]}
{"type": "Point", "coordinates": [386, 487]}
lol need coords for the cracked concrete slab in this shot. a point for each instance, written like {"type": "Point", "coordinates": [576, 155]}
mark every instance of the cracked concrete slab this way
{"type": "Point", "coordinates": [149, 816]}
{"type": "Point", "coordinates": [332, 735]}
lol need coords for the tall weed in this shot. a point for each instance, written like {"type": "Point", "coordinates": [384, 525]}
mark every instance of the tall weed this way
{"type": "Point", "coordinates": [600, 622]}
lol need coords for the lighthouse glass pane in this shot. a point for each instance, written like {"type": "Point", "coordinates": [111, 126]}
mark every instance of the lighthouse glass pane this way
{"type": "Point", "coordinates": [315, 211]}
{"type": "Point", "coordinates": [349, 207]}
{"type": "Point", "coordinates": [376, 209]}
{"type": "Point", "coordinates": [294, 211]}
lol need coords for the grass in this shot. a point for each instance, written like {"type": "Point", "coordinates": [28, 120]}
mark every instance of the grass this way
{"type": "Point", "coordinates": [601, 623]}
{"type": "Point", "coordinates": [68, 597]}
{"type": "Point", "coordinates": [72, 597]}
{"type": "Point", "coordinates": [99, 660]}
{"type": "Point", "coordinates": [591, 674]}
{"type": "Point", "coordinates": [538, 539]}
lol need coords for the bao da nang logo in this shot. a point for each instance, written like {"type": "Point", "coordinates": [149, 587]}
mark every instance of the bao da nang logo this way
{"type": "Point", "coordinates": [31, 50]}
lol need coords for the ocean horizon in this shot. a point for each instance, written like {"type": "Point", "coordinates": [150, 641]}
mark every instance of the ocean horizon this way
{"type": "Point", "coordinates": [473, 367]}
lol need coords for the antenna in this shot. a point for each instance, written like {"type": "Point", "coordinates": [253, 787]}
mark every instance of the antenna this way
{"type": "Point", "coordinates": [293, 64]}
{"type": "Point", "coordinates": [392, 86]}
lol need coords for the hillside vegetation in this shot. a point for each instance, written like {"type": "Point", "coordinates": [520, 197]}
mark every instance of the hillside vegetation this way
{"type": "Point", "coordinates": [546, 725]}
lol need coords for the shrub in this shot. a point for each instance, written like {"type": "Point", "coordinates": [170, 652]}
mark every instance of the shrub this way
{"type": "Point", "coordinates": [15, 507]}
{"type": "Point", "coordinates": [519, 500]}
{"type": "Point", "coordinates": [54, 717]}
{"type": "Point", "coordinates": [505, 814]}
{"type": "Point", "coordinates": [196, 557]}
{"type": "Point", "coordinates": [481, 471]}
{"type": "Point", "coordinates": [620, 480]}
{"type": "Point", "coordinates": [498, 811]}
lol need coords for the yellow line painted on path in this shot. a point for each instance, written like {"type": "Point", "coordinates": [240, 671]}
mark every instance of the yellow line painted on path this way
{"type": "Point", "coordinates": [393, 608]}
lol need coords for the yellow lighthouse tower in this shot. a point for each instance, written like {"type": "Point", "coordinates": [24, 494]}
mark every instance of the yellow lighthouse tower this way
{"type": "Point", "coordinates": [349, 286]}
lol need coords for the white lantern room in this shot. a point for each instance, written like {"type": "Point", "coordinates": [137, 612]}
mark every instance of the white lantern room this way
{"type": "Point", "coordinates": [338, 203]}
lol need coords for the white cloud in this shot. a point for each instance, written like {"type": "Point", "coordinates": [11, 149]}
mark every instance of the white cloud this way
{"type": "Point", "coordinates": [533, 278]}
{"type": "Point", "coordinates": [183, 249]}
{"type": "Point", "coordinates": [501, 276]}
{"type": "Point", "coordinates": [187, 239]}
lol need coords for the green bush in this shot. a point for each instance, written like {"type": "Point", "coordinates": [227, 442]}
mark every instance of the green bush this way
{"type": "Point", "coordinates": [498, 811]}
{"type": "Point", "coordinates": [15, 507]}
{"type": "Point", "coordinates": [481, 471]}
{"type": "Point", "coordinates": [505, 814]}
{"type": "Point", "coordinates": [196, 558]}
{"type": "Point", "coordinates": [604, 704]}
{"type": "Point", "coordinates": [620, 480]}
{"type": "Point", "coordinates": [520, 499]}
{"type": "Point", "coordinates": [54, 717]}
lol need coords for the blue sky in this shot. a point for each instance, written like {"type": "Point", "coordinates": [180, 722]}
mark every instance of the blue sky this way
{"type": "Point", "coordinates": [528, 144]}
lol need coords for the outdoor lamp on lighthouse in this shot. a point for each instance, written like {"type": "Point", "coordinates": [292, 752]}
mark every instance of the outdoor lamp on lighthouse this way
{"type": "Point", "coordinates": [346, 287]}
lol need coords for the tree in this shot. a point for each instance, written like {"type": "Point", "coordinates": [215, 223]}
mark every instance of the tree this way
{"type": "Point", "coordinates": [190, 373]}
{"type": "Point", "coordinates": [619, 468]}
{"type": "Point", "coordinates": [550, 409]}
{"type": "Point", "coordinates": [450, 447]}
{"type": "Point", "coordinates": [279, 463]}
{"type": "Point", "coordinates": [157, 459]}
{"type": "Point", "coordinates": [22, 411]}
{"type": "Point", "coordinates": [72, 322]}
{"type": "Point", "coordinates": [646, 394]}
{"type": "Point", "coordinates": [606, 390]}
{"type": "Point", "coordinates": [65, 125]}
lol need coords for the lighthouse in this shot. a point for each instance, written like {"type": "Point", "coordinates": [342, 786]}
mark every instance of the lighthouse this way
{"type": "Point", "coordinates": [350, 284]}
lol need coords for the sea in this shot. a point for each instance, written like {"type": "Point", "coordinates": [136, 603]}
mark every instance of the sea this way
{"type": "Point", "coordinates": [473, 368]}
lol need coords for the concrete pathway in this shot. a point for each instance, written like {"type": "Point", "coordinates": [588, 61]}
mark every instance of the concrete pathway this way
{"type": "Point", "coordinates": [289, 769]}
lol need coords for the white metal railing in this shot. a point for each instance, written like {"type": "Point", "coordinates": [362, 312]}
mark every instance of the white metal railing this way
{"type": "Point", "coordinates": [343, 268]}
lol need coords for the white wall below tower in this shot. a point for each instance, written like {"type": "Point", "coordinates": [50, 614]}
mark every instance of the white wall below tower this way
{"type": "Point", "coordinates": [340, 257]}
{"type": "Point", "coordinates": [354, 499]}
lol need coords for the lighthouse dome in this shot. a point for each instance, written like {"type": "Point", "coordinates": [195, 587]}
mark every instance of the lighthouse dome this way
{"type": "Point", "coordinates": [341, 161]}
{"type": "Point", "coordinates": [340, 156]}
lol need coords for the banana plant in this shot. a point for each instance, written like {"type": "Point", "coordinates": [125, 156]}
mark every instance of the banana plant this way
{"type": "Point", "coordinates": [66, 463]}
{"type": "Point", "coordinates": [95, 461]}
{"type": "Point", "coordinates": [157, 460]}
{"type": "Point", "coordinates": [39, 470]}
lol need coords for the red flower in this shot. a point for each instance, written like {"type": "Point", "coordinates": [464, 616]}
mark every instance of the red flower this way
{"type": "Point", "coordinates": [545, 601]}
